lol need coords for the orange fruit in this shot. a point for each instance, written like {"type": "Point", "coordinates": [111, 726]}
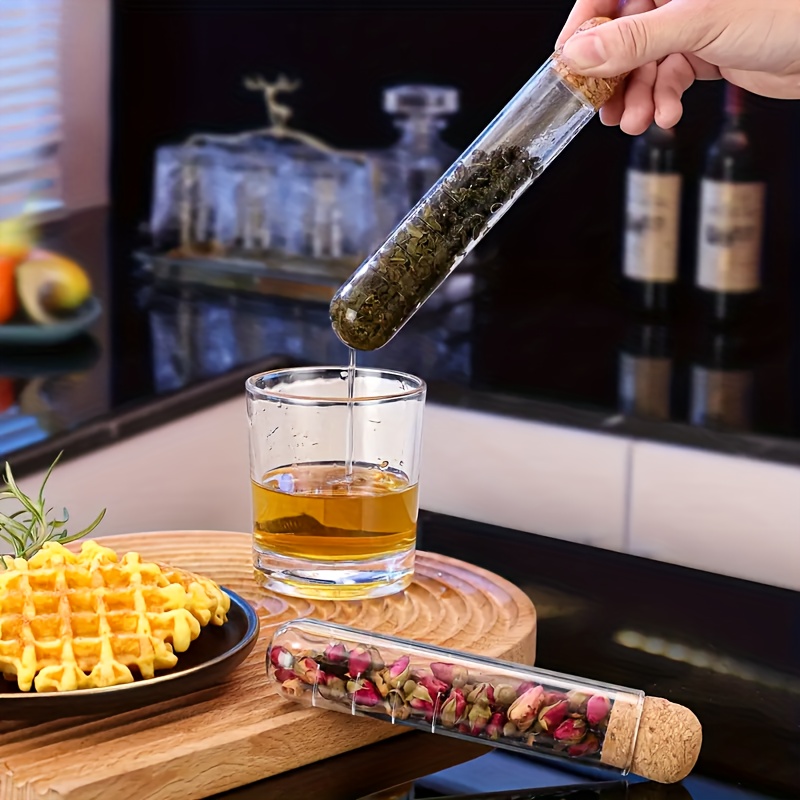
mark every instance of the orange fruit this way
{"type": "Point", "coordinates": [8, 288]}
{"type": "Point", "coordinates": [7, 397]}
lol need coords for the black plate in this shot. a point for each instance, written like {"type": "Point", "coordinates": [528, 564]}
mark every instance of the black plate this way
{"type": "Point", "coordinates": [215, 653]}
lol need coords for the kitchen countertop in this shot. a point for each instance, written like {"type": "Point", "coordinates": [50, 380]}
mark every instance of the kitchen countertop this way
{"type": "Point", "coordinates": [727, 649]}
{"type": "Point", "coordinates": [164, 349]}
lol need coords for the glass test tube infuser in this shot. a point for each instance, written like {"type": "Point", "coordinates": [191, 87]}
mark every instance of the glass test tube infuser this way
{"type": "Point", "coordinates": [466, 202]}
{"type": "Point", "coordinates": [508, 705]}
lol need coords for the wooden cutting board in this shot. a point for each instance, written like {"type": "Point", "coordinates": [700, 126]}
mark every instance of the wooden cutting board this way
{"type": "Point", "coordinates": [221, 738]}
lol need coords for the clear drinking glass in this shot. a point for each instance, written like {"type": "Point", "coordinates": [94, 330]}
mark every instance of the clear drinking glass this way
{"type": "Point", "coordinates": [335, 480]}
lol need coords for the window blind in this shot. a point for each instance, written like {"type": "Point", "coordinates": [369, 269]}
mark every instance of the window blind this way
{"type": "Point", "coordinates": [30, 113]}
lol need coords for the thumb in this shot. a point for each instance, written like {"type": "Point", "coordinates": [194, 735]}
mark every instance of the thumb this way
{"type": "Point", "coordinates": [629, 42]}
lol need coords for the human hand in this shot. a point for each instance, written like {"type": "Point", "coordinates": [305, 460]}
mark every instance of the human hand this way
{"type": "Point", "coordinates": [668, 44]}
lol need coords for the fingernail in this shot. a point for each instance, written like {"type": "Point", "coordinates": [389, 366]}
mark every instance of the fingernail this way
{"type": "Point", "coordinates": [585, 51]}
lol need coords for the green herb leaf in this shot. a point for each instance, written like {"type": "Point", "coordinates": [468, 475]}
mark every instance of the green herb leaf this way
{"type": "Point", "coordinates": [28, 529]}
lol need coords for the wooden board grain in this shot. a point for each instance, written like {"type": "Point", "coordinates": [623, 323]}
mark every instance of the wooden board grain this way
{"type": "Point", "coordinates": [228, 736]}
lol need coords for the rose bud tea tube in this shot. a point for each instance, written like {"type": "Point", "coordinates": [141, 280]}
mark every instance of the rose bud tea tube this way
{"type": "Point", "coordinates": [467, 201]}
{"type": "Point", "coordinates": [508, 705]}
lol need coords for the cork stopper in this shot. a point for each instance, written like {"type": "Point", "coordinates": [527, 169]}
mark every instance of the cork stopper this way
{"type": "Point", "coordinates": [597, 91]}
{"type": "Point", "coordinates": [665, 746]}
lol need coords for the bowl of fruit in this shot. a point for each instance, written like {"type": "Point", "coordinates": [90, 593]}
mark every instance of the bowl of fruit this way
{"type": "Point", "coordinates": [45, 297]}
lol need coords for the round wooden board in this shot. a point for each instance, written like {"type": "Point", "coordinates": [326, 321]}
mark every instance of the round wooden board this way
{"type": "Point", "coordinates": [218, 739]}
{"type": "Point", "coordinates": [450, 603]}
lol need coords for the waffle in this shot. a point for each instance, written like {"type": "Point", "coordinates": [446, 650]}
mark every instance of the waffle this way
{"type": "Point", "coordinates": [207, 602]}
{"type": "Point", "coordinates": [90, 619]}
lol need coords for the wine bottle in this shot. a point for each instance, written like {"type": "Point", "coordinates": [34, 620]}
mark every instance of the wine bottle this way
{"type": "Point", "coordinates": [732, 198]}
{"type": "Point", "coordinates": [646, 372]}
{"type": "Point", "coordinates": [723, 382]}
{"type": "Point", "coordinates": [652, 222]}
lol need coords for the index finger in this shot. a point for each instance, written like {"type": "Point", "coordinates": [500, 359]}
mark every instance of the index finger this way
{"type": "Point", "coordinates": [583, 10]}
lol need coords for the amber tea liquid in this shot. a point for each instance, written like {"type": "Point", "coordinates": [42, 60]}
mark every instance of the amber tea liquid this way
{"type": "Point", "coordinates": [342, 527]}
{"type": "Point", "coordinates": [318, 512]}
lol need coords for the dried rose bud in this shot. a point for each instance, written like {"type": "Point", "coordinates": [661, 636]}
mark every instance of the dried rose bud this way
{"type": "Point", "coordinates": [326, 677]}
{"type": "Point", "coordinates": [334, 688]}
{"type": "Point", "coordinates": [396, 706]}
{"type": "Point", "coordinates": [504, 695]}
{"type": "Point", "coordinates": [527, 686]}
{"type": "Point", "coordinates": [336, 653]}
{"type": "Point", "coordinates": [494, 728]}
{"type": "Point", "coordinates": [589, 746]}
{"type": "Point", "coordinates": [551, 698]}
{"type": "Point", "coordinates": [524, 709]}
{"type": "Point", "coordinates": [399, 671]}
{"type": "Point", "coordinates": [550, 717]}
{"type": "Point", "coordinates": [453, 708]}
{"type": "Point", "coordinates": [452, 674]}
{"type": "Point", "coordinates": [380, 682]}
{"type": "Point", "coordinates": [434, 686]}
{"type": "Point", "coordinates": [443, 671]}
{"type": "Point", "coordinates": [353, 685]}
{"type": "Point", "coordinates": [395, 697]}
{"type": "Point", "coordinates": [597, 709]}
{"type": "Point", "coordinates": [577, 701]}
{"type": "Point", "coordinates": [294, 687]}
{"type": "Point", "coordinates": [281, 657]}
{"type": "Point", "coordinates": [463, 727]}
{"type": "Point", "coordinates": [366, 695]}
{"type": "Point", "coordinates": [376, 658]}
{"type": "Point", "coordinates": [479, 716]}
{"type": "Point", "coordinates": [420, 693]}
{"type": "Point", "coordinates": [308, 671]}
{"type": "Point", "coordinates": [282, 675]}
{"type": "Point", "coordinates": [510, 730]}
{"type": "Point", "coordinates": [482, 693]}
{"type": "Point", "coordinates": [359, 662]}
{"type": "Point", "coordinates": [570, 731]}
{"type": "Point", "coordinates": [421, 708]}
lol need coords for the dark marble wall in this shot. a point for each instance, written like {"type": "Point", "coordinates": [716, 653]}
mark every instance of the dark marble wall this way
{"type": "Point", "coordinates": [550, 319]}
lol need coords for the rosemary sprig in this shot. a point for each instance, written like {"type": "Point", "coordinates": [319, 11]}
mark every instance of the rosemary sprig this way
{"type": "Point", "coordinates": [27, 529]}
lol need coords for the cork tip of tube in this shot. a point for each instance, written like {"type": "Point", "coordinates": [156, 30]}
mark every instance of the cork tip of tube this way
{"type": "Point", "coordinates": [592, 23]}
{"type": "Point", "coordinates": [596, 91]}
{"type": "Point", "coordinates": [668, 741]}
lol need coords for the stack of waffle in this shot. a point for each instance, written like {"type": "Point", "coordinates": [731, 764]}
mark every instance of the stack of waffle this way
{"type": "Point", "coordinates": [90, 619]}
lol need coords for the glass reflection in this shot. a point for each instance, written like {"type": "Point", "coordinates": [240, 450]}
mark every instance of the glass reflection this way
{"type": "Point", "coordinates": [646, 366]}
{"type": "Point", "coordinates": [46, 391]}
{"type": "Point", "coordinates": [198, 332]}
